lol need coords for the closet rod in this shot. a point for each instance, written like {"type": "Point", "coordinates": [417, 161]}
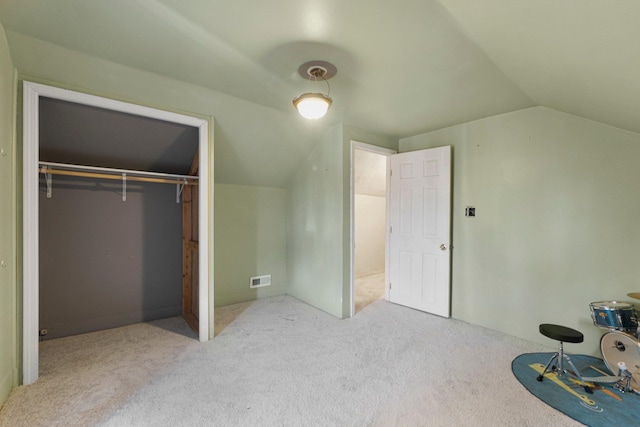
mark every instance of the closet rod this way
{"type": "Point", "coordinates": [118, 177]}
{"type": "Point", "coordinates": [110, 173]}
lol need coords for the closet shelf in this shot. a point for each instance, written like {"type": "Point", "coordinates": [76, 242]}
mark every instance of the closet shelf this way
{"type": "Point", "coordinates": [51, 168]}
{"type": "Point", "coordinates": [111, 173]}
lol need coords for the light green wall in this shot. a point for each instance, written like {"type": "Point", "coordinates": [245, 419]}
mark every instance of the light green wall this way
{"type": "Point", "coordinates": [8, 302]}
{"type": "Point", "coordinates": [250, 240]}
{"type": "Point", "coordinates": [47, 63]}
{"type": "Point", "coordinates": [318, 226]}
{"type": "Point", "coordinates": [314, 226]}
{"type": "Point", "coordinates": [556, 224]}
{"type": "Point", "coordinates": [244, 131]}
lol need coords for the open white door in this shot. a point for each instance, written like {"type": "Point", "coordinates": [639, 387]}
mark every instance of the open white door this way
{"type": "Point", "coordinates": [419, 219]}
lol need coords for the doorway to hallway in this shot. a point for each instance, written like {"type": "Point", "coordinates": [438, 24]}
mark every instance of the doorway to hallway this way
{"type": "Point", "coordinates": [369, 201]}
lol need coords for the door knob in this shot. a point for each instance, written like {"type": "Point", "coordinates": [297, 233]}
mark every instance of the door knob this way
{"type": "Point", "coordinates": [443, 247]}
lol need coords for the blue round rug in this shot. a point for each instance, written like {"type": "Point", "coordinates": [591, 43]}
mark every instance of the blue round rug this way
{"type": "Point", "coordinates": [606, 406]}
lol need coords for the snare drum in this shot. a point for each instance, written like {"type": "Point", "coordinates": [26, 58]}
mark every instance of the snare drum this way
{"type": "Point", "coordinates": [614, 315]}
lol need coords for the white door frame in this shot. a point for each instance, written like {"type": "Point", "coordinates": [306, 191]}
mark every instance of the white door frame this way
{"type": "Point", "coordinates": [386, 152]}
{"type": "Point", "coordinates": [31, 95]}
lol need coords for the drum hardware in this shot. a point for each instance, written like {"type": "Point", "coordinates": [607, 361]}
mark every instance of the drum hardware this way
{"type": "Point", "coordinates": [575, 375]}
{"type": "Point", "coordinates": [560, 371]}
{"type": "Point", "coordinates": [556, 379]}
{"type": "Point", "coordinates": [635, 295]}
{"type": "Point", "coordinates": [624, 385]}
{"type": "Point", "coordinates": [594, 386]}
{"type": "Point", "coordinates": [620, 347]}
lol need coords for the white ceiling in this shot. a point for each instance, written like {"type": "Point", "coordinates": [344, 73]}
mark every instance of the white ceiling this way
{"type": "Point", "coordinates": [404, 67]}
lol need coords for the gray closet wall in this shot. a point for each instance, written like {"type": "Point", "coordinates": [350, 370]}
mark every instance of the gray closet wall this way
{"type": "Point", "coordinates": [105, 262]}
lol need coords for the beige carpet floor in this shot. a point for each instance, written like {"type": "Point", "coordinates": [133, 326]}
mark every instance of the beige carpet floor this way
{"type": "Point", "coordinates": [368, 289]}
{"type": "Point", "coordinates": [281, 362]}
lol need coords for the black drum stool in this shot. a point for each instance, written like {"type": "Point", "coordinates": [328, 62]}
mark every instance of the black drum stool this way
{"type": "Point", "coordinates": [564, 334]}
{"type": "Point", "coordinates": [561, 334]}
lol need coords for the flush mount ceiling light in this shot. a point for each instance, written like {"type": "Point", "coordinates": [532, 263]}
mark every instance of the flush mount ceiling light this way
{"type": "Point", "coordinates": [313, 105]}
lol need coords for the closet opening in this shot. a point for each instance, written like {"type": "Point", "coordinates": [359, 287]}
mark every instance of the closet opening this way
{"type": "Point", "coordinates": [116, 212]}
{"type": "Point", "coordinates": [110, 217]}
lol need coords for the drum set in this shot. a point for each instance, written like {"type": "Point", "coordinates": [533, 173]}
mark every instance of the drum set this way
{"type": "Point", "coordinates": [620, 346]}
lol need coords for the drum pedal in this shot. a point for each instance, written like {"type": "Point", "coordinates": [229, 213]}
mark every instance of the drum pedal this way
{"type": "Point", "coordinates": [624, 385]}
{"type": "Point", "coordinates": [608, 379]}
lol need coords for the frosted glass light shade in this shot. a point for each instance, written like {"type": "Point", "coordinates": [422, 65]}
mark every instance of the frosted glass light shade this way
{"type": "Point", "coordinates": [312, 105]}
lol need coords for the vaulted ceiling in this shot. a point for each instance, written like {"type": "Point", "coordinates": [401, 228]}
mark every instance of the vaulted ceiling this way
{"type": "Point", "coordinates": [404, 67]}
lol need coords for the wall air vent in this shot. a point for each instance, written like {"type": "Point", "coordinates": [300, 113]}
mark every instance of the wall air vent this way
{"type": "Point", "coordinates": [260, 281]}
